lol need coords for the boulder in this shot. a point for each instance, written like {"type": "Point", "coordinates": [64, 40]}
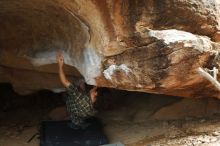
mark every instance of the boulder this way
{"type": "Point", "coordinates": [188, 108]}
{"type": "Point", "coordinates": [151, 46]}
{"type": "Point", "coordinates": [183, 109]}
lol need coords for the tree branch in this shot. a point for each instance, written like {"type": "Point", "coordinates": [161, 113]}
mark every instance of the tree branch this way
{"type": "Point", "coordinates": [206, 75]}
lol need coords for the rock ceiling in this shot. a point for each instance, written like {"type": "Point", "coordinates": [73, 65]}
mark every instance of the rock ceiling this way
{"type": "Point", "coordinates": [143, 45]}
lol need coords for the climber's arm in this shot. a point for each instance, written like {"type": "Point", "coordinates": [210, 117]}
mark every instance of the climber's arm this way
{"type": "Point", "coordinates": [60, 61]}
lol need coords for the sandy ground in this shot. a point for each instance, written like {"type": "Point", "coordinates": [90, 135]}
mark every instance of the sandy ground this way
{"type": "Point", "coordinates": [130, 122]}
{"type": "Point", "coordinates": [201, 132]}
{"type": "Point", "coordinates": [134, 125]}
{"type": "Point", "coordinates": [168, 133]}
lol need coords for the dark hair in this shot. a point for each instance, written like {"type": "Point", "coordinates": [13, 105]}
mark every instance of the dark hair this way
{"type": "Point", "coordinates": [86, 87]}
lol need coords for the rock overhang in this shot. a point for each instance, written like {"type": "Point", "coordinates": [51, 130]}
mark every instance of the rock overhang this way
{"type": "Point", "coordinates": [136, 45]}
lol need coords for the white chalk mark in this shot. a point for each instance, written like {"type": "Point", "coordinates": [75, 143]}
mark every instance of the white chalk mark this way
{"type": "Point", "coordinates": [113, 68]}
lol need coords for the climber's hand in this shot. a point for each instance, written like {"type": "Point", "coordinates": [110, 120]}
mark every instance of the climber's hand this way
{"type": "Point", "coordinates": [93, 94]}
{"type": "Point", "coordinates": [60, 59]}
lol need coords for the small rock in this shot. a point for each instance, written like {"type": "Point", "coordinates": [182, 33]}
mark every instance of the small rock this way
{"type": "Point", "coordinates": [215, 133]}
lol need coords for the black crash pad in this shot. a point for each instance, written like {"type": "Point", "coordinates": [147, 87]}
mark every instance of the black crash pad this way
{"type": "Point", "coordinates": [58, 133]}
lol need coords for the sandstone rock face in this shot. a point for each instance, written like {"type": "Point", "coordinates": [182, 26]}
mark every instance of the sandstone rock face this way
{"type": "Point", "coordinates": [144, 45]}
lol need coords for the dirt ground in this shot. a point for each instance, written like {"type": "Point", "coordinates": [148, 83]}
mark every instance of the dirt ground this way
{"type": "Point", "coordinates": [140, 120]}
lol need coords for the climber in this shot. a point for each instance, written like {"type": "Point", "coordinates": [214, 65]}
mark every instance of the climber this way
{"type": "Point", "coordinates": [79, 103]}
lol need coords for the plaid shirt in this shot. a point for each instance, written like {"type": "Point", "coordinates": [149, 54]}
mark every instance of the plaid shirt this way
{"type": "Point", "coordinates": [79, 105]}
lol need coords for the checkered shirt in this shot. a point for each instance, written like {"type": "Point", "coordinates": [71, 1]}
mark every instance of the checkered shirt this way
{"type": "Point", "coordinates": [79, 105]}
